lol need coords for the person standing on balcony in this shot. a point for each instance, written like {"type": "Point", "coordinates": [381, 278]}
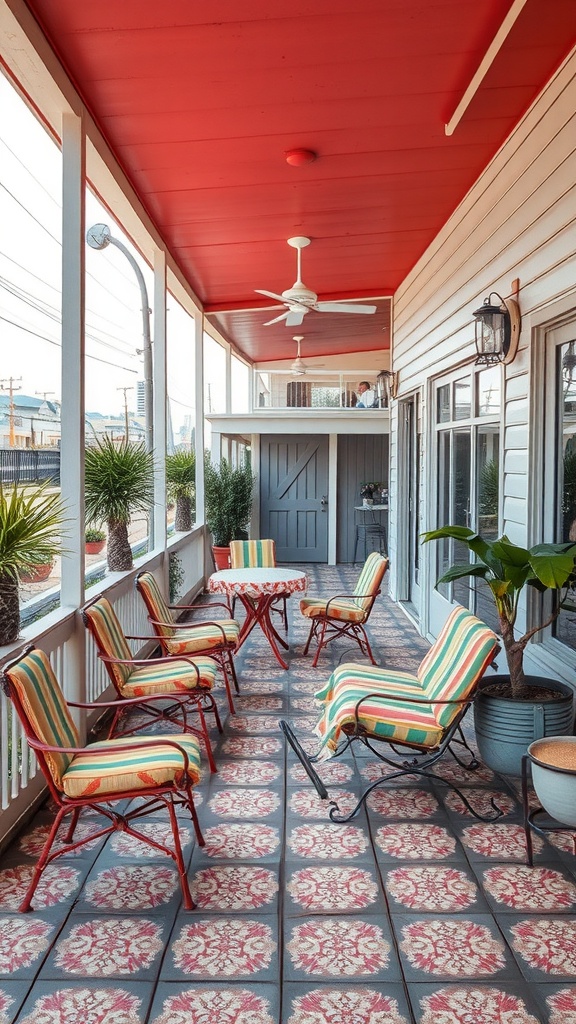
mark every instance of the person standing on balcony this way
{"type": "Point", "coordinates": [367, 394]}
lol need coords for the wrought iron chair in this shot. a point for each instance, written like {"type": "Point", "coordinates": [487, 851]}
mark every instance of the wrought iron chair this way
{"type": "Point", "coordinates": [169, 689]}
{"type": "Point", "coordinates": [217, 638]}
{"type": "Point", "coordinates": [422, 712]}
{"type": "Point", "coordinates": [160, 770]}
{"type": "Point", "coordinates": [346, 614]}
{"type": "Point", "coordinates": [247, 554]}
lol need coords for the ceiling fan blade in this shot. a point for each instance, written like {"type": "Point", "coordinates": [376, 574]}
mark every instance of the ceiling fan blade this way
{"type": "Point", "coordinates": [271, 295]}
{"type": "Point", "coordinates": [343, 307]}
{"type": "Point", "coordinates": [295, 317]}
{"type": "Point", "coordinates": [276, 319]}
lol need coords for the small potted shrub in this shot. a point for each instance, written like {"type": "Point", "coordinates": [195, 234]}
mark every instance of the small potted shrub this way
{"type": "Point", "coordinates": [228, 506]}
{"type": "Point", "coordinates": [181, 483]}
{"type": "Point", "coordinates": [31, 519]}
{"type": "Point", "coordinates": [94, 540]}
{"type": "Point", "coordinates": [118, 482]}
{"type": "Point", "coordinates": [513, 710]}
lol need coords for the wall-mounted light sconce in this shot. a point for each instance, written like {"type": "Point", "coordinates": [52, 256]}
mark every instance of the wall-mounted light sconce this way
{"type": "Point", "coordinates": [497, 329]}
{"type": "Point", "coordinates": [386, 384]}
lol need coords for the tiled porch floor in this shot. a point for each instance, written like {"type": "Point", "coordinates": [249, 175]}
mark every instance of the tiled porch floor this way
{"type": "Point", "coordinates": [412, 912]}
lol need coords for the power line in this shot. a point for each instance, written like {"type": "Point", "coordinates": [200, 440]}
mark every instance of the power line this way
{"type": "Point", "coordinates": [58, 344]}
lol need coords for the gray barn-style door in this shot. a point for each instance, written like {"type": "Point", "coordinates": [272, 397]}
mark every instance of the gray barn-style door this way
{"type": "Point", "coordinates": [294, 495]}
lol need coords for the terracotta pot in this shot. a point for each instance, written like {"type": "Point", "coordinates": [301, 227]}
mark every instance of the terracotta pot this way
{"type": "Point", "coordinates": [37, 574]}
{"type": "Point", "coordinates": [221, 557]}
{"type": "Point", "coordinates": [94, 547]}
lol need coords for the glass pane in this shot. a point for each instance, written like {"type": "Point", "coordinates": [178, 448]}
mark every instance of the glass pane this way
{"type": "Point", "coordinates": [565, 626]}
{"type": "Point", "coordinates": [462, 399]}
{"type": "Point", "coordinates": [489, 390]}
{"type": "Point", "coordinates": [443, 410]}
{"type": "Point", "coordinates": [461, 454]}
{"type": "Point", "coordinates": [240, 386]}
{"type": "Point", "coordinates": [488, 480]}
{"type": "Point", "coordinates": [443, 509]}
{"type": "Point", "coordinates": [181, 416]}
{"type": "Point", "coordinates": [214, 382]}
{"type": "Point", "coordinates": [31, 299]}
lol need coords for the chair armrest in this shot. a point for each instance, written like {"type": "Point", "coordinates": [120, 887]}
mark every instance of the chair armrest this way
{"type": "Point", "coordinates": [187, 625]}
{"type": "Point", "coordinates": [127, 701]}
{"type": "Point", "coordinates": [408, 700]}
{"type": "Point", "coordinates": [168, 659]}
{"type": "Point", "coordinates": [350, 597]}
{"type": "Point", "coordinates": [197, 604]}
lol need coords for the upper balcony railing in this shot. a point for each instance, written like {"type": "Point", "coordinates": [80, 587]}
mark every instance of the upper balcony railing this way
{"type": "Point", "coordinates": [314, 389]}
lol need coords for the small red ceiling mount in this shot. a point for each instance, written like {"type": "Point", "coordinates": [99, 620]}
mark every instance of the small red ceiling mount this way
{"type": "Point", "coordinates": [299, 157]}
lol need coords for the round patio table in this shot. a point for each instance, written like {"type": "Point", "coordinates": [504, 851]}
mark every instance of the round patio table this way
{"type": "Point", "coordinates": [257, 589]}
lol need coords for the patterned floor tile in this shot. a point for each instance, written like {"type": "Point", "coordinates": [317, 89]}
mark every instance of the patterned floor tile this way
{"type": "Point", "coordinates": [344, 1004]}
{"type": "Point", "coordinates": [544, 946]}
{"type": "Point", "coordinates": [517, 888]}
{"type": "Point", "coordinates": [233, 1003]}
{"type": "Point", "coordinates": [132, 888]}
{"type": "Point", "coordinates": [404, 803]}
{"type": "Point", "coordinates": [306, 804]}
{"type": "Point", "coordinates": [12, 996]}
{"type": "Point", "coordinates": [557, 1002]}
{"type": "Point", "coordinates": [261, 747]}
{"type": "Point", "coordinates": [59, 884]}
{"type": "Point", "coordinates": [432, 888]}
{"type": "Point", "coordinates": [326, 948]}
{"type": "Point", "coordinates": [236, 888]}
{"type": "Point", "coordinates": [93, 1002]}
{"type": "Point", "coordinates": [223, 947]}
{"type": "Point", "coordinates": [332, 889]}
{"type": "Point", "coordinates": [108, 947]}
{"type": "Point", "coordinates": [467, 947]}
{"type": "Point", "coordinates": [503, 1003]}
{"type": "Point", "coordinates": [25, 940]}
{"type": "Point", "coordinates": [242, 804]}
{"type": "Point", "coordinates": [417, 841]}
{"type": "Point", "coordinates": [239, 841]}
{"type": "Point", "coordinates": [498, 841]}
{"type": "Point", "coordinates": [245, 773]}
{"type": "Point", "coordinates": [481, 802]}
{"type": "Point", "coordinates": [327, 842]}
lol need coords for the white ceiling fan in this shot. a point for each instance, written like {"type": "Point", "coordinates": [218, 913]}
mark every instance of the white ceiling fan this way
{"type": "Point", "coordinates": [299, 299]}
{"type": "Point", "coordinates": [299, 367]}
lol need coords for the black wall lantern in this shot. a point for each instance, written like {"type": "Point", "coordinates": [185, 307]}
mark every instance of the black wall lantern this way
{"type": "Point", "coordinates": [385, 388]}
{"type": "Point", "coordinates": [497, 330]}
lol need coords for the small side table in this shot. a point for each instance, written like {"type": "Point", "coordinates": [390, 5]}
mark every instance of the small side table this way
{"type": "Point", "coordinates": [371, 524]}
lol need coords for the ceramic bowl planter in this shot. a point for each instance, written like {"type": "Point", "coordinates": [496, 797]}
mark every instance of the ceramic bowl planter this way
{"type": "Point", "coordinates": [505, 727]}
{"type": "Point", "coordinates": [553, 764]}
{"type": "Point", "coordinates": [38, 573]}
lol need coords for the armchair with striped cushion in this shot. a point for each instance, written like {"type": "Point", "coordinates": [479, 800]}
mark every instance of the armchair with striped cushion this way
{"type": "Point", "coordinates": [168, 689]}
{"type": "Point", "coordinates": [421, 711]}
{"type": "Point", "coordinates": [161, 770]}
{"type": "Point", "coordinates": [346, 614]}
{"type": "Point", "coordinates": [215, 637]}
{"type": "Point", "coordinates": [249, 554]}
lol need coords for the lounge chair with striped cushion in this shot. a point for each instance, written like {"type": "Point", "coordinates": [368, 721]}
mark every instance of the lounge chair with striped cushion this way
{"type": "Point", "coordinates": [345, 615]}
{"type": "Point", "coordinates": [160, 770]}
{"type": "Point", "coordinates": [169, 689]}
{"type": "Point", "coordinates": [420, 711]}
{"type": "Point", "coordinates": [249, 554]}
{"type": "Point", "coordinates": [217, 637]}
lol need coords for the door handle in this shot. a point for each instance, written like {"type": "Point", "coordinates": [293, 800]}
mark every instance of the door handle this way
{"type": "Point", "coordinates": [323, 502]}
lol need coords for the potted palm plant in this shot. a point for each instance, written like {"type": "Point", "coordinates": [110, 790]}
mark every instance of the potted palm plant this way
{"type": "Point", "coordinates": [512, 711]}
{"type": "Point", "coordinates": [180, 481]}
{"type": "Point", "coordinates": [228, 505]}
{"type": "Point", "coordinates": [118, 481]}
{"type": "Point", "coordinates": [31, 519]}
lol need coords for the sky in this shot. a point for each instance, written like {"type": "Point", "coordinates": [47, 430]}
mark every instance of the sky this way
{"type": "Point", "coordinates": [30, 285]}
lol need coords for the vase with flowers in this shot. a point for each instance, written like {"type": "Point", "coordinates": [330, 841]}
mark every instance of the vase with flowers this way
{"type": "Point", "coordinates": [367, 492]}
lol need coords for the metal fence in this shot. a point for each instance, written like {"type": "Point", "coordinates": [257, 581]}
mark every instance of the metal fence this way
{"type": "Point", "coordinates": [25, 465]}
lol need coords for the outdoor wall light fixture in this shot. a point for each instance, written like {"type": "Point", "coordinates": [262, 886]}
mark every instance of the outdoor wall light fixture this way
{"type": "Point", "coordinates": [497, 329]}
{"type": "Point", "coordinates": [386, 385]}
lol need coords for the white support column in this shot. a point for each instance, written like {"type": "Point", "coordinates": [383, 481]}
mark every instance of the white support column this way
{"type": "Point", "coordinates": [72, 413]}
{"type": "Point", "coordinates": [228, 379]}
{"type": "Point", "coordinates": [198, 342]}
{"type": "Point", "coordinates": [255, 457]}
{"type": "Point", "coordinates": [160, 407]}
{"type": "Point", "coordinates": [332, 496]}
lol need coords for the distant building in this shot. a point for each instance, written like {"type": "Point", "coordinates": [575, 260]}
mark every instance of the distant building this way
{"type": "Point", "coordinates": [34, 422]}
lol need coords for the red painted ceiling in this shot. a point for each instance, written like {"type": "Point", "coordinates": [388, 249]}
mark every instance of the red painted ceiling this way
{"type": "Point", "coordinates": [201, 99]}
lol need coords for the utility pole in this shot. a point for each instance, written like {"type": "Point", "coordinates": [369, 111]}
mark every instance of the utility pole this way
{"type": "Point", "coordinates": [44, 393]}
{"type": "Point", "coordinates": [125, 390]}
{"type": "Point", "coordinates": [8, 385]}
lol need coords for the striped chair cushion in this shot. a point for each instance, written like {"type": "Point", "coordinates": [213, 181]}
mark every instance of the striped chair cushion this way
{"type": "Point", "coordinates": [108, 634]}
{"type": "Point", "coordinates": [370, 578]}
{"type": "Point", "coordinates": [202, 638]}
{"type": "Point", "coordinates": [341, 609]}
{"type": "Point", "coordinates": [155, 602]}
{"type": "Point", "coordinates": [177, 677]}
{"type": "Point", "coordinates": [246, 554]}
{"type": "Point", "coordinates": [456, 661]}
{"type": "Point", "coordinates": [370, 678]}
{"type": "Point", "coordinates": [105, 770]}
{"type": "Point", "coordinates": [44, 705]}
{"type": "Point", "coordinates": [387, 719]}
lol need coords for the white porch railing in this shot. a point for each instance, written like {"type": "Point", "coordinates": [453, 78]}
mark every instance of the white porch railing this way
{"type": "Point", "coordinates": [60, 634]}
{"type": "Point", "coordinates": [313, 389]}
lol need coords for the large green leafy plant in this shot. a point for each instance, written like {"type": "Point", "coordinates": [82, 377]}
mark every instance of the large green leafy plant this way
{"type": "Point", "coordinates": [118, 481]}
{"type": "Point", "coordinates": [31, 519]}
{"type": "Point", "coordinates": [227, 500]}
{"type": "Point", "coordinates": [181, 483]}
{"type": "Point", "coordinates": [508, 569]}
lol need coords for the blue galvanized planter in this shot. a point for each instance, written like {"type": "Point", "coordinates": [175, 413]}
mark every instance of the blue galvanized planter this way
{"type": "Point", "coordinates": [505, 728]}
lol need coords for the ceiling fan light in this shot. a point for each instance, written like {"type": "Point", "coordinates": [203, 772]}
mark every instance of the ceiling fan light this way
{"type": "Point", "coordinates": [300, 157]}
